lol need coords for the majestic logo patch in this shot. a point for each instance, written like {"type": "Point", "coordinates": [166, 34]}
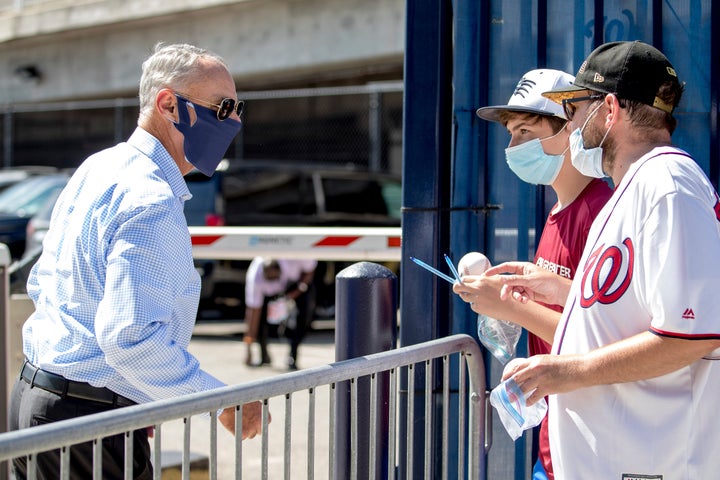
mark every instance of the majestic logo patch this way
{"type": "Point", "coordinates": [607, 274]}
{"type": "Point", "coordinates": [688, 314]}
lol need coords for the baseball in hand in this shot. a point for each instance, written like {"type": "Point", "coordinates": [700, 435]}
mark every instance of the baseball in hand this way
{"type": "Point", "coordinates": [473, 263]}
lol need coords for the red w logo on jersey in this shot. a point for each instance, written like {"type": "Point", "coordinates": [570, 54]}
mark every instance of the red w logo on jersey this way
{"type": "Point", "coordinates": [717, 207]}
{"type": "Point", "coordinates": [607, 274]}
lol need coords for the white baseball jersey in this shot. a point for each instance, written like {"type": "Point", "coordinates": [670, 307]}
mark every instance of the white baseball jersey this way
{"type": "Point", "coordinates": [651, 262]}
{"type": "Point", "coordinates": [257, 287]}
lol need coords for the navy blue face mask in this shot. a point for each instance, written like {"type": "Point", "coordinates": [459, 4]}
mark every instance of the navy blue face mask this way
{"type": "Point", "coordinates": [207, 140]}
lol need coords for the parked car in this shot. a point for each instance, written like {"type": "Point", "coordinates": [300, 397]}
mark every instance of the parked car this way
{"type": "Point", "coordinates": [11, 175]}
{"type": "Point", "coordinates": [206, 208]}
{"type": "Point", "coordinates": [204, 190]}
{"type": "Point", "coordinates": [311, 197]}
{"type": "Point", "coordinates": [269, 195]}
{"type": "Point", "coordinates": [25, 198]}
{"type": "Point", "coordinates": [38, 226]}
{"type": "Point", "coordinates": [18, 204]}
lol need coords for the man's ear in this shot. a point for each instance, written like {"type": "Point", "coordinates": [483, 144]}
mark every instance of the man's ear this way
{"type": "Point", "coordinates": [166, 104]}
{"type": "Point", "coordinates": [613, 105]}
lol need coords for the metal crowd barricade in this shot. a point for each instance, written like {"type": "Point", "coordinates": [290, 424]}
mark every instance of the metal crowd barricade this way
{"type": "Point", "coordinates": [467, 459]}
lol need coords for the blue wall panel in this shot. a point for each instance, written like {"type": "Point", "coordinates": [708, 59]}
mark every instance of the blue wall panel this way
{"type": "Point", "coordinates": [508, 38]}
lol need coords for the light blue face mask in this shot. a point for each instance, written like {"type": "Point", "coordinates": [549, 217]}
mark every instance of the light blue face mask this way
{"type": "Point", "coordinates": [587, 161]}
{"type": "Point", "coordinates": [530, 162]}
{"type": "Point", "coordinates": [207, 140]}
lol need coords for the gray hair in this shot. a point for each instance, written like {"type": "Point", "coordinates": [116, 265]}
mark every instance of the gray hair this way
{"type": "Point", "coordinates": [173, 66]}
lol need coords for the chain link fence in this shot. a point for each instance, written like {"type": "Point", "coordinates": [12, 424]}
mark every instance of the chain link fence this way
{"type": "Point", "coordinates": [357, 128]}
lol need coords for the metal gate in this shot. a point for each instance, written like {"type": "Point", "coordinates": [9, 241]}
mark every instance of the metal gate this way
{"type": "Point", "coordinates": [419, 366]}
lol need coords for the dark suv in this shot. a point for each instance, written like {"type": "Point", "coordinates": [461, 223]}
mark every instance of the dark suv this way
{"type": "Point", "coordinates": [261, 195]}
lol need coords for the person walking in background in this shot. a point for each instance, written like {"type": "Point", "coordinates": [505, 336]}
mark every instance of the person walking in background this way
{"type": "Point", "coordinates": [538, 153]}
{"type": "Point", "coordinates": [115, 289]}
{"type": "Point", "coordinates": [268, 280]}
{"type": "Point", "coordinates": [634, 376]}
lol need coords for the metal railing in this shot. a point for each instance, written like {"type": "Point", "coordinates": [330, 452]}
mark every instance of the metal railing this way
{"type": "Point", "coordinates": [403, 366]}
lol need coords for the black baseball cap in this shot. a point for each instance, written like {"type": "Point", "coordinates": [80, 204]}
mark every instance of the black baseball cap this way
{"type": "Point", "coordinates": [630, 70]}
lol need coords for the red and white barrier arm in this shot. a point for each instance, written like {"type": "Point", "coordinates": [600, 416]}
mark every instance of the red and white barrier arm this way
{"type": "Point", "coordinates": [319, 243]}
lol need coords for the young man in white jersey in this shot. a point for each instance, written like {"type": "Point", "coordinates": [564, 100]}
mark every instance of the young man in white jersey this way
{"type": "Point", "coordinates": [538, 153]}
{"type": "Point", "coordinates": [634, 377]}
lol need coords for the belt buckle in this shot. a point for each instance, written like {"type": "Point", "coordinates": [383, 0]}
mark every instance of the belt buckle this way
{"type": "Point", "coordinates": [29, 379]}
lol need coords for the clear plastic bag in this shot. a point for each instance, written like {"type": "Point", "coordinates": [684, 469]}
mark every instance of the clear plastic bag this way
{"type": "Point", "coordinates": [498, 336]}
{"type": "Point", "coordinates": [515, 415]}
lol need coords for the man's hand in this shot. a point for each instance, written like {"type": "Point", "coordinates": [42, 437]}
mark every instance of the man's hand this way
{"type": "Point", "coordinates": [544, 375]}
{"type": "Point", "coordinates": [524, 281]}
{"type": "Point", "coordinates": [251, 419]}
{"type": "Point", "coordinates": [640, 357]}
{"type": "Point", "coordinates": [482, 293]}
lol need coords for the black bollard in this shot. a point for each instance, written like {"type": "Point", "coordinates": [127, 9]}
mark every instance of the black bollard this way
{"type": "Point", "coordinates": [365, 323]}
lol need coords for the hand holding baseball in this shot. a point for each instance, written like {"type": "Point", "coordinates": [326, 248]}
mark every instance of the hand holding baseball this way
{"type": "Point", "coordinates": [478, 289]}
{"type": "Point", "coordinates": [525, 281]}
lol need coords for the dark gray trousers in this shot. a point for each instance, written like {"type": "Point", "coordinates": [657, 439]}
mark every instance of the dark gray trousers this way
{"type": "Point", "coordinates": [33, 406]}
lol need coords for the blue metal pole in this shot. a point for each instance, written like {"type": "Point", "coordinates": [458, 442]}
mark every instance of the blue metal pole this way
{"type": "Point", "coordinates": [427, 132]}
{"type": "Point", "coordinates": [468, 212]}
{"type": "Point", "coordinates": [468, 194]}
{"type": "Point", "coordinates": [714, 168]}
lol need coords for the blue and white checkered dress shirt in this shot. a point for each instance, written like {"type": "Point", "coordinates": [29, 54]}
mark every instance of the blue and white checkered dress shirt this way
{"type": "Point", "coordinates": [115, 289]}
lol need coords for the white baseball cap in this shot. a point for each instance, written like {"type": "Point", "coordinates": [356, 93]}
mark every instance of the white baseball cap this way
{"type": "Point", "coordinates": [528, 98]}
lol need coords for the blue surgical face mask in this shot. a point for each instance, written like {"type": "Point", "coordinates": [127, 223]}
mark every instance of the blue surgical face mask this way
{"type": "Point", "coordinates": [207, 140]}
{"type": "Point", "coordinates": [587, 161]}
{"type": "Point", "coordinates": [530, 162]}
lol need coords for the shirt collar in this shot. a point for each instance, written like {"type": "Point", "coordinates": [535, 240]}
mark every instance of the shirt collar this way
{"type": "Point", "coordinates": [152, 148]}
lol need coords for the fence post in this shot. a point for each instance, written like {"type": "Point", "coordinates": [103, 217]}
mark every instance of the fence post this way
{"type": "Point", "coordinates": [365, 323]}
{"type": "Point", "coordinates": [4, 345]}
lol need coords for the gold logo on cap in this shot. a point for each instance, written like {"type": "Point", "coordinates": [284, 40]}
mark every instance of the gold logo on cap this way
{"type": "Point", "coordinates": [671, 71]}
{"type": "Point", "coordinates": [597, 78]}
{"type": "Point", "coordinates": [582, 67]}
{"type": "Point", "coordinates": [662, 105]}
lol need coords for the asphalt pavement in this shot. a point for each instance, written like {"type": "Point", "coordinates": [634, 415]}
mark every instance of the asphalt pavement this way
{"type": "Point", "coordinates": [219, 347]}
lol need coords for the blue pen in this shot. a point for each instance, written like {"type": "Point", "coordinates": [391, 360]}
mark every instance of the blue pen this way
{"type": "Point", "coordinates": [452, 268]}
{"type": "Point", "coordinates": [447, 278]}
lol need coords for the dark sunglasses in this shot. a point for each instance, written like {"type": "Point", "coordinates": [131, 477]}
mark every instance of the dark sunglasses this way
{"type": "Point", "coordinates": [226, 107]}
{"type": "Point", "coordinates": [570, 109]}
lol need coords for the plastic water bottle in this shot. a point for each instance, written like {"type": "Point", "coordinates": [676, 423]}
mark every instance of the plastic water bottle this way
{"type": "Point", "coordinates": [498, 336]}
{"type": "Point", "coordinates": [515, 415]}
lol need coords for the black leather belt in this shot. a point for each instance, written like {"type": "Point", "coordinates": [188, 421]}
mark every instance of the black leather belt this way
{"type": "Point", "coordinates": [60, 385]}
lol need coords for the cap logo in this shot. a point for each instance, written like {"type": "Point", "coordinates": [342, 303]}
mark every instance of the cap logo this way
{"type": "Point", "coordinates": [582, 67]}
{"type": "Point", "coordinates": [662, 105]}
{"type": "Point", "coordinates": [671, 71]}
{"type": "Point", "coordinates": [597, 78]}
{"type": "Point", "coordinates": [524, 86]}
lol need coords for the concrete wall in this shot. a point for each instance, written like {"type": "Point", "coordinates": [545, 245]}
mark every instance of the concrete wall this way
{"type": "Point", "coordinates": [94, 49]}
